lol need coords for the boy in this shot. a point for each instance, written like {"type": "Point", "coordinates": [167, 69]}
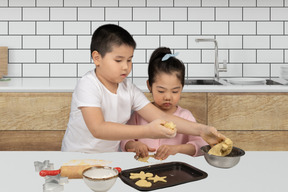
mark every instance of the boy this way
{"type": "Point", "coordinates": [103, 99]}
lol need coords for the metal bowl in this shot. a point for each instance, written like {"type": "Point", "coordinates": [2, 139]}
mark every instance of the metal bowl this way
{"type": "Point", "coordinates": [223, 162]}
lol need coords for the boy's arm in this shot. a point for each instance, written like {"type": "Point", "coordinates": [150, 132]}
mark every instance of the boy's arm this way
{"type": "Point", "coordinates": [101, 129]}
{"type": "Point", "coordinates": [208, 133]}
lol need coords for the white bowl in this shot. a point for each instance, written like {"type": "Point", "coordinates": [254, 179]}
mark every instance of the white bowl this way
{"type": "Point", "coordinates": [100, 178]}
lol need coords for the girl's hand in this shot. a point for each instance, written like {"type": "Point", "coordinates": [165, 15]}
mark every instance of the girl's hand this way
{"type": "Point", "coordinates": [211, 135]}
{"type": "Point", "coordinates": [165, 150]}
{"type": "Point", "coordinates": [141, 149]}
{"type": "Point", "coordinates": [157, 130]}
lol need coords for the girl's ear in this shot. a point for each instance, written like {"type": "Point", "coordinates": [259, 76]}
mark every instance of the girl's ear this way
{"type": "Point", "coordinates": [148, 86]}
{"type": "Point", "coordinates": [96, 56]}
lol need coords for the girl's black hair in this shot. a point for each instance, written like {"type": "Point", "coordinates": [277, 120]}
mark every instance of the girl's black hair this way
{"type": "Point", "coordinates": [169, 66]}
{"type": "Point", "coordinates": [106, 36]}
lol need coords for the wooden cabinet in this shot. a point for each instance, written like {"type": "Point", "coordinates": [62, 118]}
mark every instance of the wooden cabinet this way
{"type": "Point", "coordinates": [254, 121]}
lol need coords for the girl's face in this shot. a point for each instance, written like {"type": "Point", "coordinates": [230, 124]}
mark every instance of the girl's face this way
{"type": "Point", "coordinates": [166, 91]}
{"type": "Point", "coordinates": [114, 67]}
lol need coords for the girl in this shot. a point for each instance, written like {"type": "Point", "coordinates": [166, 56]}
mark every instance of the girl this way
{"type": "Point", "coordinates": [165, 82]}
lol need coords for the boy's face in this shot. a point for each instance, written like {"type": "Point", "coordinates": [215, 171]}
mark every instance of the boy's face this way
{"type": "Point", "coordinates": [166, 91]}
{"type": "Point", "coordinates": [115, 66]}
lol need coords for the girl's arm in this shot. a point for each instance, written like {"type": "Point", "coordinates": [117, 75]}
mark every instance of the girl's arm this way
{"type": "Point", "coordinates": [208, 133]}
{"type": "Point", "coordinates": [101, 129]}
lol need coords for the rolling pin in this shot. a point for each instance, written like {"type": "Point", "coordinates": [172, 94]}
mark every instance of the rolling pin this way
{"type": "Point", "coordinates": [70, 171]}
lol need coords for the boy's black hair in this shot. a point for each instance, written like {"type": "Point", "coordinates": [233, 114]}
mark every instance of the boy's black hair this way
{"type": "Point", "coordinates": [109, 35]}
{"type": "Point", "coordinates": [169, 66]}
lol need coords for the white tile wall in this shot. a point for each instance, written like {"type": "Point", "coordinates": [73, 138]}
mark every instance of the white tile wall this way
{"type": "Point", "coordinates": [52, 38]}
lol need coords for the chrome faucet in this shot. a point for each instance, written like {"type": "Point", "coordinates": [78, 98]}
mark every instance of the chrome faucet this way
{"type": "Point", "coordinates": [217, 68]}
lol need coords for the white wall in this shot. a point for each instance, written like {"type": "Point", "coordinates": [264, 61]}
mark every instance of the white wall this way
{"type": "Point", "coordinates": [52, 38]}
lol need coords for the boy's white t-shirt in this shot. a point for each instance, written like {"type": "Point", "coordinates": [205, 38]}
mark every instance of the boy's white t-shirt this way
{"type": "Point", "coordinates": [90, 92]}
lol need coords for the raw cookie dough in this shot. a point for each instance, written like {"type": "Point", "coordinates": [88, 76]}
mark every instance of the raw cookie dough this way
{"type": "Point", "coordinates": [170, 125]}
{"type": "Point", "coordinates": [145, 159]}
{"type": "Point", "coordinates": [157, 178]}
{"type": "Point", "coordinates": [222, 149]}
{"type": "Point", "coordinates": [143, 183]}
{"type": "Point", "coordinates": [142, 175]}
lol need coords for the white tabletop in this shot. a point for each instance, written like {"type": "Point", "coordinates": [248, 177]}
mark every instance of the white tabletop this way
{"type": "Point", "coordinates": [256, 171]}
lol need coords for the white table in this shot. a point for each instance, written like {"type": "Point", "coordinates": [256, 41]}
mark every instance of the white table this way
{"type": "Point", "coordinates": [256, 171]}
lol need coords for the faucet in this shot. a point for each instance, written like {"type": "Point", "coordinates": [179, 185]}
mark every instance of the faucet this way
{"type": "Point", "coordinates": [217, 69]}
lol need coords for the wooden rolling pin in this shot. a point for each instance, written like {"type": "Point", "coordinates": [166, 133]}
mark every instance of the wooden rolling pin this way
{"type": "Point", "coordinates": [3, 61]}
{"type": "Point", "coordinates": [72, 172]}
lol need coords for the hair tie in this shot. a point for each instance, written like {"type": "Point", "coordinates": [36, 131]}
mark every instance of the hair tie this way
{"type": "Point", "coordinates": [168, 55]}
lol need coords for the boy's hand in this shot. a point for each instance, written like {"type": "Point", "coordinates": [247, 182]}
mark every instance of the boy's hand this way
{"type": "Point", "coordinates": [164, 151]}
{"type": "Point", "coordinates": [211, 135]}
{"type": "Point", "coordinates": [141, 149]}
{"type": "Point", "coordinates": [157, 130]}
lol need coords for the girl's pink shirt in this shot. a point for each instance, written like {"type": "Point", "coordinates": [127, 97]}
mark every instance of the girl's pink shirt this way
{"type": "Point", "coordinates": [197, 141]}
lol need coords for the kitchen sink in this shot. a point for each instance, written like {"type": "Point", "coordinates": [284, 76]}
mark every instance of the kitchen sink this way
{"type": "Point", "coordinates": [201, 82]}
{"type": "Point", "coordinates": [271, 82]}
{"type": "Point", "coordinates": [252, 81]}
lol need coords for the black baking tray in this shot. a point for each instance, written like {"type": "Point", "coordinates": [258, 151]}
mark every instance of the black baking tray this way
{"type": "Point", "coordinates": [176, 172]}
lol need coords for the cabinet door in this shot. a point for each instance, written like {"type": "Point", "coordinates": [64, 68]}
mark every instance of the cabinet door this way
{"type": "Point", "coordinates": [256, 121]}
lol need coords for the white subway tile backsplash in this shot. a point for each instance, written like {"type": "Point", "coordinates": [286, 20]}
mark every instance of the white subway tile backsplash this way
{"type": "Point", "coordinates": [49, 28]}
{"type": "Point", "coordinates": [3, 28]}
{"type": "Point", "coordinates": [77, 28]}
{"type": "Point", "coordinates": [35, 14]}
{"type": "Point", "coordinates": [77, 56]}
{"type": "Point", "coordinates": [63, 14]}
{"type": "Point", "coordinates": [174, 42]}
{"type": "Point", "coordinates": [228, 14]}
{"type": "Point", "coordinates": [83, 42]}
{"type": "Point", "coordinates": [146, 14]}
{"type": "Point", "coordinates": [56, 35]}
{"type": "Point", "coordinates": [91, 13]}
{"type": "Point", "coordinates": [104, 3]}
{"type": "Point", "coordinates": [35, 42]}
{"type": "Point", "coordinates": [63, 70]}
{"type": "Point", "coordinates": [242, 56]}
{"type": "Point", "coordinates": [33, 70]}
{"type": "Point", "coordinates": [269, 28]}
{"type": "Point", "coordinates": [279, 42]}
{"type": "Point", "coordinates": [279, 13]}
{"type": "Point", "coordinates": [270, 56]}
{"type": "Point", "coordinates": [269, 3]}
{"type": "Point", "coordinates": [256, 70]}
{"type": "Point", "coordinates": [162, 28]}
{"type": "Point", "coordinates": [132, 3]}
{"type": "Point", "coordinates": [63, 42]}
{"type": "Point", "coordinates": [147, 42]}
{"type": "Point", "coordinates": [49, 56]}
{"type": "Point", "coordinates": [22, 28]}
{"type": "Point", "coordinates": [214, 3]}
{"type": "Point", "coordinates": [160, 3]}
{"type": "Point", "coordinates": [10, 14]}
{"type": "Point", "coordinates": [76, 3]}
{"type": "Point", "coordinates": [229, 42]}
{"type": "Point", "coordinates": [242, 3]}
{"type": "Point", "coordinates": [21, 56]}
{"type": "Point", "coordinates": [50, 3]}
{"type": "Point", "coordinates": [21, 3]}
{"type": "Point", "coordinates": [134, 28]}
{"type": "Point", "coordinates": [263, 14]}
{"type": "Point", "coordinates": [215, 28]}
{"type": "Point", "coordinates": [12, 42]}
{"type": "Point", "coordinates": [173, 14]}
{"type": "Point", "coordinates": [201, 14]}
{"type": "Point", "coordinates": [187, 28]}
{"type": "Point", "coordinates": [256, 42]}
{"type": "Point", "coordinates": [187, 3]}
{"type": "Point", "coordinates": [242, 28]}
{"type": "Point", "coordinates": [116, 14]}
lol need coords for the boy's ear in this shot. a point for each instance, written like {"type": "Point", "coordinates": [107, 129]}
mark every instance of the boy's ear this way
{"type": "Point", "coordinates": [148, 86]}
{"type": "Point", "coordinates": [96, 56]}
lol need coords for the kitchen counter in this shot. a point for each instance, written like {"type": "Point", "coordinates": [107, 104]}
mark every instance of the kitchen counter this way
{"type": "Point", "coordinates": [68, 85]}
{"type": "Point", "coordinates": [257, 171]}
